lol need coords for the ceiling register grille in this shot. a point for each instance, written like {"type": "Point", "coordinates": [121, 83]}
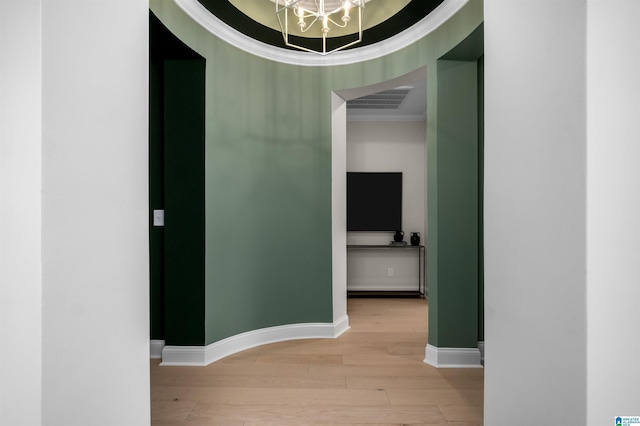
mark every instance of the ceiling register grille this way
{"type": "Point", "coordinates": [388, 99]}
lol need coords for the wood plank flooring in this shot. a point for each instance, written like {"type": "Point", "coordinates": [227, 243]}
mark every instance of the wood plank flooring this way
{"type": "Point", "coordinates": [373, 374]}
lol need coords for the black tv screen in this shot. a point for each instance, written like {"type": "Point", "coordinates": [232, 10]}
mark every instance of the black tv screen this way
{"type": "Point", "coordinates": [374, 201]}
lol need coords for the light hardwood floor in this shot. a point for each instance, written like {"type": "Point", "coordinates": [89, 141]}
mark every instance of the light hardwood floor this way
{"type": "Point", "coordinates": [373, 374]}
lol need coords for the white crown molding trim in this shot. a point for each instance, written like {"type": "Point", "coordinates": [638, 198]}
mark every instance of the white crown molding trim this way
{"type": "Point", "coordinates": [220, 29]}
{"type": "Point", "coordinates": [452, 357]}
{"type": "Point", "coordinates": [205, 355]}
{"type": "Point", "coordinates": [155, 349]}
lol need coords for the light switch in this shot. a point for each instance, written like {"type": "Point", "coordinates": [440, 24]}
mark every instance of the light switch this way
{"type": "Point", "coordinates": [158, 218]}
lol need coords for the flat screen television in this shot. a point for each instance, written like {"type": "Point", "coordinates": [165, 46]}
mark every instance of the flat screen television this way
{"type": "Point", "coordinates": [374, 201]}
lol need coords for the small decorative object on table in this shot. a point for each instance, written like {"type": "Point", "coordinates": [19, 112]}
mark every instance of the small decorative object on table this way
{"type": "Point", "coordinates": [398, 236]}
{"type": "Point", "coordinates": [415, 238]}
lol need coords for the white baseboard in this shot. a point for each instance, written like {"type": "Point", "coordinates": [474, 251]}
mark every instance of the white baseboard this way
{"type": "Point", "coordinates": [481, 349]}
{"type": "Point", "coordinates": [453, 357]}
{"type": "Point", "coordinates": [340, 326]}
{"type": "Point", "coordinates": [155, 349]}
{"type": "Point", "coordinates": [205, 355]}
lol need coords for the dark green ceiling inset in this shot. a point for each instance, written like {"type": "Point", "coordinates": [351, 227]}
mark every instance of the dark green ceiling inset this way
{"type": "Point", "coordinates": [411, 14]}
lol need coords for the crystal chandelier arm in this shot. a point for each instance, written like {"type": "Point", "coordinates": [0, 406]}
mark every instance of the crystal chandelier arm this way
{"type": "Point", "coordinates": [301, 12]}
{"type": "Point", "coordinates": [286, 4]}
{"type": "Point", "coordinates": [343, 25]}
{"type": "Point", "coordinates": [305, 29]}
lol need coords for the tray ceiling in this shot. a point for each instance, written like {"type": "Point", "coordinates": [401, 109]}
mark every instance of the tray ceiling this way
{"type": "Point", "coordinates": [257, 18]}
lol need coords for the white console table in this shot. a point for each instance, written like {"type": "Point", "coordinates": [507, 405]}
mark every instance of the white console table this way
{"type": "Point", "coordinates": [408, 249]}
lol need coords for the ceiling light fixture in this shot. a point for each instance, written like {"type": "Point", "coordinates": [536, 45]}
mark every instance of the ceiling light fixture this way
{"type": "Point", "coordinates": [297, 19]}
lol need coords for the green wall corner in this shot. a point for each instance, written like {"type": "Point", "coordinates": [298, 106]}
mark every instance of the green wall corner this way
{"type": "Point", "coordinates": [455, 200]}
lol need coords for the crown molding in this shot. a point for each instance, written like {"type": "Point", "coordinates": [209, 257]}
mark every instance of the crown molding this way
{"type": "Point", "coordinates": [220, 29]}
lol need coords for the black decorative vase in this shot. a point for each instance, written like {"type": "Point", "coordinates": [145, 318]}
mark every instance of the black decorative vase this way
{"type": "Point", "coordinates": [415, 238]}
{"type": "Point", "coordinates": [398, 236]}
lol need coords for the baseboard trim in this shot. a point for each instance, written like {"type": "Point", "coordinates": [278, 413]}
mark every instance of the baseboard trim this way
{"type": "Point", "coordinates": [340, 326]}
{"type": "Point", "coordinates": [481, 349]}
{"type": "Point", "coordinates": [205, 355]}
{"type": "Point", "coordinates": [453, 357]}
{"type": "Point", "coordinates": [155, 349]}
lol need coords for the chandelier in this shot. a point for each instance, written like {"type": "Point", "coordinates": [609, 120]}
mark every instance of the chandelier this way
{"type": "Point", "coordinates": [306, 24]}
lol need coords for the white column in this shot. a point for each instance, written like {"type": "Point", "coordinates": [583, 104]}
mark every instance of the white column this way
{"type": "Point", "coordinates": [535, 216]}
{"type": "Point", "coordinates": [338, 210]}
{"type": "Point", "coordinates": [20, 213]}
{"type": "Point", "coordinates": [613, 210]}
{"type": "Point", "coordinates": [95, 212]}
{"type": "Point", "coordinates": [575, 350]}
{"type": "Point", "coordinates": [73, 213]}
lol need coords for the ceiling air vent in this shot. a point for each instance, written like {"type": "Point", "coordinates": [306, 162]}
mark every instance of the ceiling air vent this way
{"type": "Point", "coordinates": [388, 99]}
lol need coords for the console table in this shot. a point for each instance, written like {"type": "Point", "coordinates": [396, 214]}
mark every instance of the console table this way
{"type": "Point", "coordinates": [421, 266]}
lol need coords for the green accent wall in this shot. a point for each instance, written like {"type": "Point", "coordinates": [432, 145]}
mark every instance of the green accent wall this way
{"type": "Point", "coordinates": [184, 231]}
{"type": "Point", "coordinates": [268, 236]}
{"type": "Point", "coordinates": [268, 196]}
{"type": "Point", "coordinates": [176, 185]}
{"type": "Point", "coordinates": [455, 293]}
{"type": "Point", "coordinates": [456, 312]}
{"type": "Point", "coordinates": [481, 198]}
{"type": "Point", "coordinates": [156, 194]}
